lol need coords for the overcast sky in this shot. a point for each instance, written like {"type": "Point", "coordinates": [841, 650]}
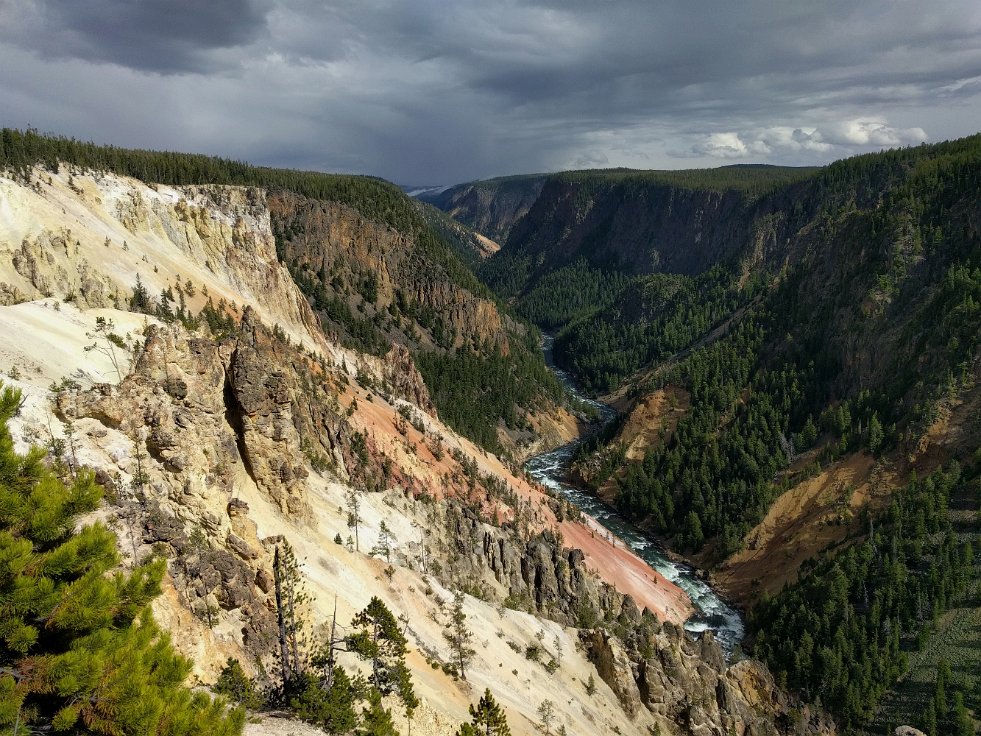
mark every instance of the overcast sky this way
{"type": "Point", "coordinates": [437, 92]}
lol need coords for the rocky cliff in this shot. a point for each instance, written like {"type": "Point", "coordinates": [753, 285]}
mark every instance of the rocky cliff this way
{"type": "Point", "coordinates": [384, 277]}
{"type": "Point", "coordinates": [633, 222]}
{"type": "Point", "coordinates": [688, 683]}
{"type": "Point", "coordinates": [90, 236]}
{"type": "Point", "coordinates": [635, 228]}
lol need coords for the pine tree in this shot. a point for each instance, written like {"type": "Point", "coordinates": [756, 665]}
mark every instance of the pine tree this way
{"type": "Point", "coordinates": [325, 657]}
{"type": "Point", "coordinates": [353, 499]}
{"type": "Point", "coordinates": [376, 720]}
{"type": "Point", "coordinates": [79, 649]}
{"type": "Point", "coordinates": [380, 641]}
{"type": "Point", "coordinates": [290, 595]}
{"type": "Point", "coordinates": [875, 434]}
{"type": "Point", "coordinates": [106, 342]}
{"type": "Point", "coordinates": [940, 689]}
{"type": "Point", "coordinates": [141, 300]}
{"type": "Point", "coordinates": [459, 635]}
{"type": "Point", "coordinates": [332, 707]}
{"type": "Point", "coordinates": [693, 531]}
{"type": "Point", "coordinates": [546, 714]}
{"type": "Point", "coordinates": [234, 683]}
{"type": "Point", "coordinates": [930, 719]}
{"type": "Point", "coordinates": [384, 545]}
{"type": "Point", "coordinates": [339, 715]}
{"type": "Point", "coordinates": [961, 719]}
{"type": "Point", "coordinates": [486, 719]}
{"type": "Point", "coordinates": [591, 685]}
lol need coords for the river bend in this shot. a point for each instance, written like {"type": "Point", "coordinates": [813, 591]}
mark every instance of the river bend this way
{"type": "Point", "coordinates": [550, 469]}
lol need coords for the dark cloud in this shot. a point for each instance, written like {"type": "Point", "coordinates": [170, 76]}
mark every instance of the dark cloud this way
{"type": "Point", "coordinates": [432, 92]}
{"type": "Point", "coordinates": [165, 36]}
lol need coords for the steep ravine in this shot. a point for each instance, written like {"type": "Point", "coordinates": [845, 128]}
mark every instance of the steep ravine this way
{"type": "Point", "coordinates": [550, 469]}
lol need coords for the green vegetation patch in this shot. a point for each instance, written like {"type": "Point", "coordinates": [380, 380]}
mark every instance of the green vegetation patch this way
{"type": "Point", "coordinates": [842, 634]}
{"type": "Point", "coordinates": [79, 649]}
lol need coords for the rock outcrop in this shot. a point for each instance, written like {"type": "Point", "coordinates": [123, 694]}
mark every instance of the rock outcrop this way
{"type": "Point", "coordinates": [532, 571]}
{"type": "Point", "coordinates": [196, 413]}
{"type": "Point", "coordinates": [399, 372]}
{"type": "Point", "coordinates": [688, 683]}
{"type": "Point", "coordinates": [259, 408]}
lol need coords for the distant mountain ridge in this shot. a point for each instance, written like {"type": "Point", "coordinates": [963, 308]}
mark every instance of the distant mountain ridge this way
{"type": "Point", "coordinates": [490, 207]}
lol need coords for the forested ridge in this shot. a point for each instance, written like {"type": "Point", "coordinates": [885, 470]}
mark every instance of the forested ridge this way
{"type": "Point", "coordinates": [753, 180]}
{"type": "Point", "coordinates": [375, 198]}
{"type": "Point", "coordinates": [509, 380]}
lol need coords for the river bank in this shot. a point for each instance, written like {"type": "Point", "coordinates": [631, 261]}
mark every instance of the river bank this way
{"type": "Point", "coordinates": [712, 613]}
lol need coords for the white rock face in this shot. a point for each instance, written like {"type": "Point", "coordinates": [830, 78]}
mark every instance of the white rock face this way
{"type": "Point", "coordinates": [90, 236]}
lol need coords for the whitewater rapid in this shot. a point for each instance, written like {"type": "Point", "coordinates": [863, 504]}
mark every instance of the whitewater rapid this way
{"type": "Point", "coordinates": [711, 611]}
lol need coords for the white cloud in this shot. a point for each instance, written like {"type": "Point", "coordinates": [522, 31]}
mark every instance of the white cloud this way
{"type": "Point", "coordinates": [723, 145]}
{"type": "Point", "coordinates": [778, 142]}
{"type": "Point", "coordinates": [873, 132]}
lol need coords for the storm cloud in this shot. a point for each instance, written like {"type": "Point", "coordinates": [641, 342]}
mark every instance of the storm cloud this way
{"type": "Point", "coordinates": [429, 92]}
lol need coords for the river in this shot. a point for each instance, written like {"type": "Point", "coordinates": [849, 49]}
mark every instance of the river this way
{"type": "Point", "coordinates": [711, 612]}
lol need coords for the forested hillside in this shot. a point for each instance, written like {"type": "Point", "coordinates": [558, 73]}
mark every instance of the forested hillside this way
{"type": "Point", "coordinates": [376, 271]}
{"type": "Point", "coordinates": [845, 631]}
{"type": "Point", "coordinates": [872, 317]}
{"type": "Point", "coordinates": [793, 324]}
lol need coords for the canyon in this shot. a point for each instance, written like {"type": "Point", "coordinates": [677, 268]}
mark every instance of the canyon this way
{"type": "Point", "coordinates": [217, 443]}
